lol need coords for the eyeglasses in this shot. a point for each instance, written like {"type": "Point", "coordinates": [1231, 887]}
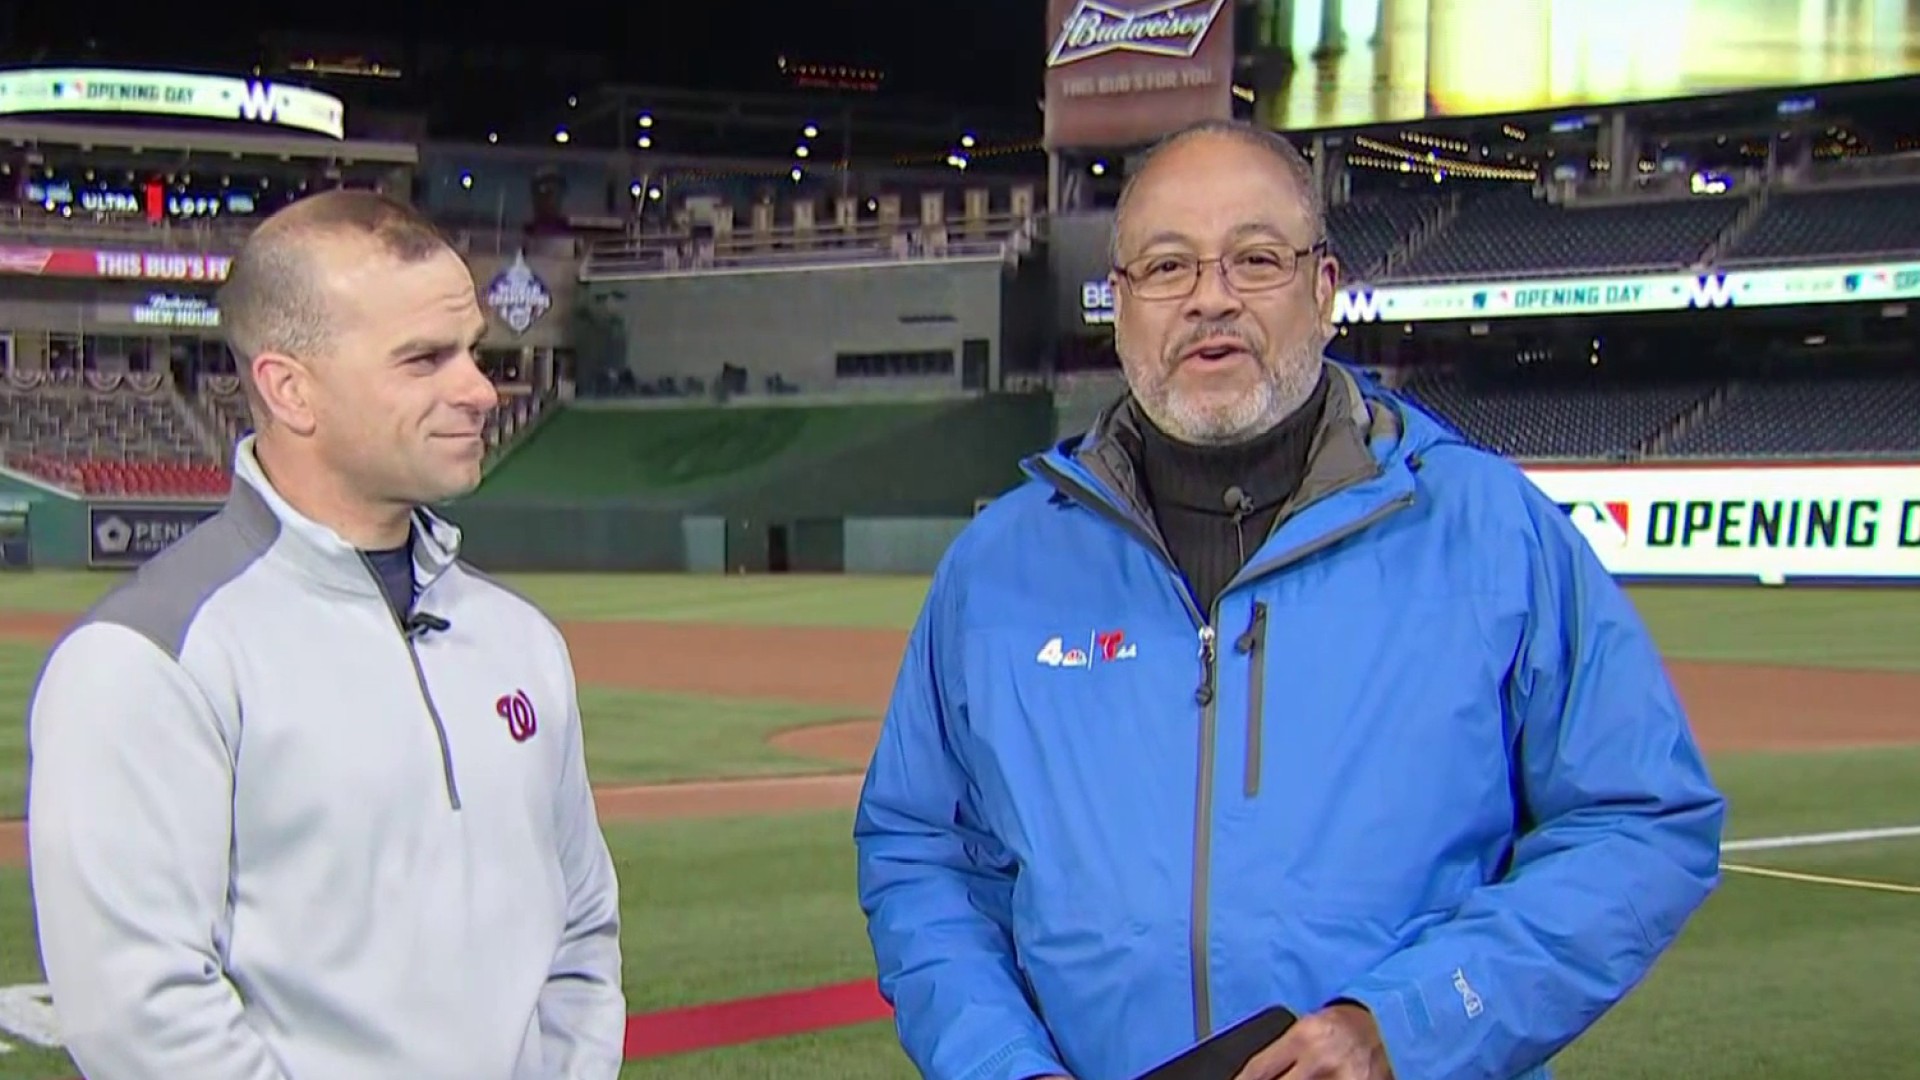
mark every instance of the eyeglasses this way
{"type": "Point", "coordinates": [1249, 270]}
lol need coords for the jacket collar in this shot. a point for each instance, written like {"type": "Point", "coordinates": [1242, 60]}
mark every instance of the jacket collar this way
{"type": "Point", "coordinates": [316, 550]}
{"type": "Point", "coordinates": [1343, 453]}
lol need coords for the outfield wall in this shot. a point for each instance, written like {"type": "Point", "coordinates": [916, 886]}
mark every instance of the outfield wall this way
{"type": "Point", "coordinates": [1767, 524]}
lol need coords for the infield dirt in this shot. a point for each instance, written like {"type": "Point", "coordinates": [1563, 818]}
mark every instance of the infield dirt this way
{"type": "Point", "coordinates": [1732, 706]}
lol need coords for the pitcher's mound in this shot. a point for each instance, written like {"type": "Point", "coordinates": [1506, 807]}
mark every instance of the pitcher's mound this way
{"type": "Point", "coordinates": [842, 742]}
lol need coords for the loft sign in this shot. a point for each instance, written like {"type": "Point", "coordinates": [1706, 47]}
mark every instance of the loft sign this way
{"type": "Point", "coordinates": [517, 296]}
{"type": "Point", "coordinates": [1094, 28]}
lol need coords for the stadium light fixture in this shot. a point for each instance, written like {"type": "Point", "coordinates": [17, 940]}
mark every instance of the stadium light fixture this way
{"type": "Point", "coordinates": [800, 151]}
{"type": "Point", "coordinates": [635, 189]}
{"type": "Point", "coordinates": [796, 174]}
{"type": "Point", "coordinates": [646, 120]}
{"type": "Point", "coordinates": [967, 141]}
{"type": "Point", "coordinates": [644, 142]}
{"type": "Point", "coordinates": [654, 194]}
{"type": "Point", "coordinates": [466, 180]}
{"type": "Point", "coordinates": [1098, 168]}
{"type": "Point", "coordinates": [810, 131]}
{"type": "Point", "coordinates": [562, 137]}
{"type": "Point", "coordinates": [493, 136]}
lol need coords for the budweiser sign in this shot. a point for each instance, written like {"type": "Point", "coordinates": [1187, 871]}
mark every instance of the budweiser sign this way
{"type": "Point", "coordinates": [1173, 28]}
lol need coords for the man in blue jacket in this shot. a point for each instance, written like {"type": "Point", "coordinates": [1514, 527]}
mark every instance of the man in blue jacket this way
{"type": "Point", "coordinates": [1270, 691]}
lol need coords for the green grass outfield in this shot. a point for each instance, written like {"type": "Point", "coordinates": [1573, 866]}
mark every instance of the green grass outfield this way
{"type": "Point", "coordinates": [1776, 978]}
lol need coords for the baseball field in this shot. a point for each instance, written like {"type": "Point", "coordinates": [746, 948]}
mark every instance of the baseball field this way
{"type": "Point", "coordinates": [727, 720]}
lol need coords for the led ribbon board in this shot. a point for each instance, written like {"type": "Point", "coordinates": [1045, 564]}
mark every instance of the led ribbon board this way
{"type": "Point", "coordinates": [166, 93]}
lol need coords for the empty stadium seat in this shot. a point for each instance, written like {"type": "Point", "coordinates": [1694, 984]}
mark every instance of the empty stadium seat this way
{"type": "Point", "coordinates": [1814, 224]}
{"type": "Point", "coordinates": [1828, 416]}
{"type": "Point", "coordinates": [1512, 234]}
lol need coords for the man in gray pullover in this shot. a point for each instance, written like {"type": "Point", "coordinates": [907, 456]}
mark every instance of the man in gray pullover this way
{"type": "Point", "coordinates": [308, 799]}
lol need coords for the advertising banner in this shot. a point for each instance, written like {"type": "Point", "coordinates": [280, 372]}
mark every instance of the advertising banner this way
{"type": "Point", "coordinates": [129, 534]}
{"type": "Point", "coordinates": [1365, 63]}
{"type": "Point", "coordinates": [1636, 293]}
{"type": "Point", "coordinates": [171, 93]}
{"type": "Point", "coordinates": [1124, 72]}
{"type": "Point", "coordinates": [68, 262]}
{"type": "Point", "coordinates": [1769, 524]}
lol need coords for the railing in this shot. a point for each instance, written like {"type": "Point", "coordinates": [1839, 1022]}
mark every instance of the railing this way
{"type": "Point", "coordinates": [993, 236]}
{"type": "Point", "coordinates": [31, 224]}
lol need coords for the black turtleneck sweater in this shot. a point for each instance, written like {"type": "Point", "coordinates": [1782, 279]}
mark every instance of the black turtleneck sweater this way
{"type": "Point", "coordinates": [1187, 487]}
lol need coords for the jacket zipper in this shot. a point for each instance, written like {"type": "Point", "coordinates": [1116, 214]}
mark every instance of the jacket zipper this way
{"type": "Point", "coordinates": [1253, 643]}
{"type": "Point", "coordinates": [426, 693]}
{"type": "Point", "coordinates": [1204, 696]}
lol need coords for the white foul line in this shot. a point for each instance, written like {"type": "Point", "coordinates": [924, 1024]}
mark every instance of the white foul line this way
{"type": "Point", "coordinates": [1853, 836]}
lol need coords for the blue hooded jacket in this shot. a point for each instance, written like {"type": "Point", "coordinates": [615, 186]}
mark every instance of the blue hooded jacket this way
{"type": "Point", "coordinates": [1421, 755]}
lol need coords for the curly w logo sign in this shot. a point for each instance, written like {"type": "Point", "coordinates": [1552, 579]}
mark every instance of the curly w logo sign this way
{"type": "Point", "coordinates": [517, 710]}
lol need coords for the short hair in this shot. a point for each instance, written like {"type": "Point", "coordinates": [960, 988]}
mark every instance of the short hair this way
{"type": "Point", "coordinates": [1259, 138]}
{"type": "Point", "coordinates": [271, 301]}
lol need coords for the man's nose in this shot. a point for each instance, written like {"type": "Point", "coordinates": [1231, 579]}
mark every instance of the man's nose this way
{"type": "Point", "coordinates": [1212, 295]}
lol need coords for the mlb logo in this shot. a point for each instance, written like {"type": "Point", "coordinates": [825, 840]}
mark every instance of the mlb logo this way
{"type": "Point", "coordinates": [1608, 526]}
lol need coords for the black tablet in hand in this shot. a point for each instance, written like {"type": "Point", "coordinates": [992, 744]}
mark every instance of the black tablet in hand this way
{"type": "Point", "coordinates": [1225, 1054]}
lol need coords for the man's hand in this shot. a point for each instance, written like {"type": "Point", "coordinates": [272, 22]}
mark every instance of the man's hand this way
{"type": "Point", "coordinates": [1340, 1042]}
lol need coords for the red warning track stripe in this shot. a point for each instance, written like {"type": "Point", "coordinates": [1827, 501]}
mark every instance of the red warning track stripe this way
{"type": "Point", "coordinates": [745, 1020]}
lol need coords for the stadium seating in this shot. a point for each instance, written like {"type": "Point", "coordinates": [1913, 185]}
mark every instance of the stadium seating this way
{"type": "Point", "coordinates": [1512, 234]}
{"type": "Point", "coordinates": [1543, 421]}
{"type": "Point", "coordinates": [1366, 230]}
{"type": "Point", "coordinates": [103, 417]}
{"type": "Point", "coordinates": [1831, 416]}
{"type": "Point", "coordinates": [1798, 225]}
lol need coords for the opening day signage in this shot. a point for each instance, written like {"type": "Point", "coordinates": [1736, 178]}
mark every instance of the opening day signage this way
{"type": "Point", "coordinates": [1769, 524]}
{"type": "Point", "coordinates": [1613, 295]}
{"type": "Point", "coordinates": [169, 93]}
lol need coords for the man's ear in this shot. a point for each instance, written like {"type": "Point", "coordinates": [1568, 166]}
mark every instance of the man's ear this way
{"type": "Point", "coordinates": [286, 389]}
{"type": "Point", "coordinates": [1326, 284]}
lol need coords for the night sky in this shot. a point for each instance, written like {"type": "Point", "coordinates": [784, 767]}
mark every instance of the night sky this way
{"type": "Point", "coordinates": [964, 52]}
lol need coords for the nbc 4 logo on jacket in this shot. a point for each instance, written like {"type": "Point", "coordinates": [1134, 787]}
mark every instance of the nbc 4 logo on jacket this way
{"type": "Point", "coordinates": [1104, 646]}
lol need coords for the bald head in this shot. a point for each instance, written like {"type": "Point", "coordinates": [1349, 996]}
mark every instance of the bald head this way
{"type": "Point", "coordinates": [1272, 143]}
{"type": "Point", "coordinates": [275, 296]}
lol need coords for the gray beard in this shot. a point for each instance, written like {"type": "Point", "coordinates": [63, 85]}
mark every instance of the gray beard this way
{"type": "Point", "coordinates": [1278, 395]}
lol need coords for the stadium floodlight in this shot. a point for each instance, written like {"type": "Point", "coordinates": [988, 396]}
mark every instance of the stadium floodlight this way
{"type": "Point", "coordinates": [810, 131]}
{"type": "Point", "coordinates": [967, 141]}
{"type": "Point", "coordinates": [561, 136]}
{"type": "Point", "coordinates": [635, 189]}
{"type": "Point", "coordinates": [796, 174]}
{"type": "Point", "coordinates": [800, 151]}
{"type": "Point", "coordinates": [644, 142]}
{"type": "Point", "coordinates": [1098, 168]}
{"type": "Point", "coordinates": [646, 120]}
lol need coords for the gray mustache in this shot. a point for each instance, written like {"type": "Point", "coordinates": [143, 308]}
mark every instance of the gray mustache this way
{"type": "Point", "coordinates": [1203, 331]}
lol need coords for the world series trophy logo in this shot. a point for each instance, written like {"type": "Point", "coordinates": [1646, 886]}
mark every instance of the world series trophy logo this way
{"type": "Point", "coordinates": [518, 296]}
{"type": "Point", "coordinates": [1093, 28]}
